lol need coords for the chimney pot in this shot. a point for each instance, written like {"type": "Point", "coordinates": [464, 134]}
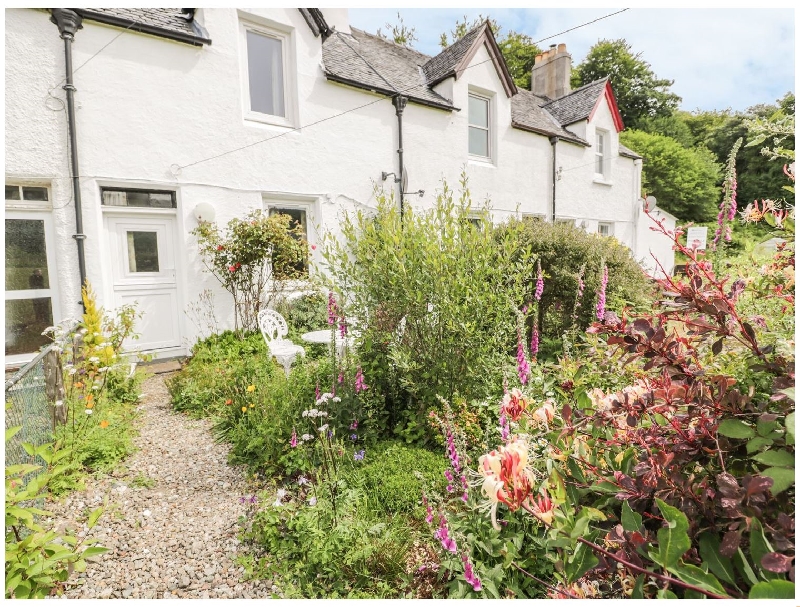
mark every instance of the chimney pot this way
{"type": "Point", "coordinates": [551, 72]}
{"type": "Point", "coordinates": [562, 48]}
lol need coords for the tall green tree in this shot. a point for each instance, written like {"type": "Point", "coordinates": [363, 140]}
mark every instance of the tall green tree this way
{"type": "Point", "coordinates": [640, 93]}
{"type": "Point", "coordinates": [465, 25]}
{"type": "Point", "coordinates": [683, 180]}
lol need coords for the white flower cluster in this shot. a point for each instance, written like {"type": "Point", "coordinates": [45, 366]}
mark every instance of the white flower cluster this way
{"type": "Point", "coordinates": [315, 413]}
{"type": "Point", "coordinates": [306, 437]}
{"type": "Point", "coordinates": [327, 397]}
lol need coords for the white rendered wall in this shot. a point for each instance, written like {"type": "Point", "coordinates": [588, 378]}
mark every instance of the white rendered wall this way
{"type": "Point", "coordinates": [147, 105]}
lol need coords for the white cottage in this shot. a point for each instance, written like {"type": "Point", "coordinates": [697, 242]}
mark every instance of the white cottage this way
{"type": "Point", "coordinates": [124, 125]}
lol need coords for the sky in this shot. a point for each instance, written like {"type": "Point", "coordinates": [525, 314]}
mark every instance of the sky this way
{"type": "Point", "coordinates": [718, 58]}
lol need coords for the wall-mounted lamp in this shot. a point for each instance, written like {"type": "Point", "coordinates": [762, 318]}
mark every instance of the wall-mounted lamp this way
{"type": "Point", "coordinates": [204, 212]}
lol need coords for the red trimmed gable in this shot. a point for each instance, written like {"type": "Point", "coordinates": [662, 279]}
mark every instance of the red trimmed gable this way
{"type": "Point", "coordinates": [612, 104]}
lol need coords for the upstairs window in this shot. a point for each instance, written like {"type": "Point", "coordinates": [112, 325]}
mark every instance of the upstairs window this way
{"type": "Point", "coordinates": [479, 126]}
{"type": "Point", "coordinates": [600, 153]}
{"type": "Point", "coordinates": [265, 73]}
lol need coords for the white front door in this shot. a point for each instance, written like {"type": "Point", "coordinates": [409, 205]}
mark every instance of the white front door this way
{"type": "Point", "coordinates": [143, 266]}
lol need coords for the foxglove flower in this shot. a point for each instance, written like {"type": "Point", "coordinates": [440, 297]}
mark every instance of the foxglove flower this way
{"type": "Point", "coordinates": [332, 310]}
{"type": "Point", "coordinates": [360, 384]}
{"type": "Point", "coordinates": [293, 441]}
{"type": "Point", "coordinates": [539, 282]}
{"type": "Point", "coordinates": [601, 295]}
{"type": "Point", "coordinates": [534, 343]}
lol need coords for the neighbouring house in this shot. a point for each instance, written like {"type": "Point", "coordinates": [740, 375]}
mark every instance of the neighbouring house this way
{"type": "Point", "coordinates": [180, 113]}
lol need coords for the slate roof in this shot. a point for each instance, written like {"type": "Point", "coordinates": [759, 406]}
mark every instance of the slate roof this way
{"type": "Point", "coordinates": [627, 152]}
{"type": "Point", "coordinates": [578, 104]}
{"type": "Point", "coordinates": [370, 62]}
{"type": "Point", "coordinates": [527, 113]}
{"type": "Point", "coordinates": [172, 23]}
{"type": "Point", "coordinates": [443, 65]}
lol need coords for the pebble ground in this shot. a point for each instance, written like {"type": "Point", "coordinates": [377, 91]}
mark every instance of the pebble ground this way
{"type": "Point", "coordinates": [171, 519]}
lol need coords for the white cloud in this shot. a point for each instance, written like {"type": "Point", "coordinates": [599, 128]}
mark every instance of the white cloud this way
{"type": "Point", "coordinates": [718, 58]}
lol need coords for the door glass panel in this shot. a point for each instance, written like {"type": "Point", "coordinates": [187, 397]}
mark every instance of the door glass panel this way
{"type": "Point", "coordinates": [143, 251]}
{"type": "Point", "coordinates": [298, 218]}
{"type": "Point", "coordinates": [25, 321]}
{"type": "Point", "coordinates": [26, 255]}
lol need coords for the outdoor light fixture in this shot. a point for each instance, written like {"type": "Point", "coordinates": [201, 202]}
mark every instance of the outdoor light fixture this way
{"type": "Point", "coordinates": [204, 212]}
{"type": "Point", "coordinates": [404, 185]}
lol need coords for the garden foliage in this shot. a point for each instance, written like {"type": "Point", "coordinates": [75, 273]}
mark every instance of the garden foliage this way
{"type": "Point", "coordinates": [249, 256]}
{"type": "Point", "coordinates": [433, 293]}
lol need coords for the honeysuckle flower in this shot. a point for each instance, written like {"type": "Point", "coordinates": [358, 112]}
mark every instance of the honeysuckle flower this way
{"type": "Point", "coordinates": [514, 404]}
{"type": "Point", "coordinates": [507, 476]}
{"type": "Point", "coordinates": [543, 508]}
{"type": "Point", "coordinates": [545, 413]}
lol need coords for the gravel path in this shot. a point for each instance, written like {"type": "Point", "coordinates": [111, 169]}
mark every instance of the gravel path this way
{"type": "Point", "coordinates": [171, 533]}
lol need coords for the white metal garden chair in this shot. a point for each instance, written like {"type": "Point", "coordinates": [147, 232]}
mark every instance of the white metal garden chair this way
{"type": "Point", "coordinates": [274, 329]}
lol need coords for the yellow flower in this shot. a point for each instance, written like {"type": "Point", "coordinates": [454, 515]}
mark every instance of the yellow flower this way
{"type": "Point", "coordinates": [251, 388]}
{"type": "Point", "coordinates": [104, 423]}
{"type": "Point", "coordinates": [252, 405]}
{"type": "Point", "coordinates": [244, 409]}
{"type": "Point", "coordinates": [89, 405]}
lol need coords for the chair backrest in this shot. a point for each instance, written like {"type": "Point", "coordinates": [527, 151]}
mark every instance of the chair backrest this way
{"type": "Point", "coordinates": [273, 326]}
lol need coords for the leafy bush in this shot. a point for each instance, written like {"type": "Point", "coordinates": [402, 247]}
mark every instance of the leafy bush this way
{"type": "Point", "coordinates": [316, 551]}
{"type": "Point", "coordinates": [435, 295]}
{"type": "Point", "coordinates": [252, 253]}
{"type": "Point", "coordinates": [39, 559]}
{"type": "Point", "coordinates": [563, 250]}
{"type": "Point", "coordinates": [396, 475]}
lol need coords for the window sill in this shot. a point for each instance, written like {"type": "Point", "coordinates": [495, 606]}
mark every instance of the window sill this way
{"type": "Point", "coordinates": [482, 161]}
{"type": "Point", "coordinates": [256, 119]}
{"type": "Point", "coordinates": [601, 180]}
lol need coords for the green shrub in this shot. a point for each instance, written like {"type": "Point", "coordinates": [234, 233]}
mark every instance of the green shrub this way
{"type": "Point", "coordinates": [395, 475]}
{"type": "Point", "coordinates": [313, 553]}
{"type": "Point", "coordinates": [453, 282]}
{"type": "Point", "coordinates": [562, 250]}
{"type": "Point", "coordinates": [303, 314]}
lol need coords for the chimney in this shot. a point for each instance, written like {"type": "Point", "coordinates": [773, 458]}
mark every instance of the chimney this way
{"type": "Point", "coordinates": [551, 72]}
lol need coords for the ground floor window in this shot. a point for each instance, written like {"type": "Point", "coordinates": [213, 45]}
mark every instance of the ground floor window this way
{"type": "Point", "coordinates": [605, 229]}
{"type": "Point", "coordinates": [299, 217]}
{"type": "Point", "coordinates": [30, 275]}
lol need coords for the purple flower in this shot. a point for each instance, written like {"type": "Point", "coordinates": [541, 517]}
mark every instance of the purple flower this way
{"type": "Point", "coordinates": [429, 517]}
{"type": "Point", "coordinates": [534, 343]}
{"type": "Point", "coordinates": [465, 497]}
{"type": "Point", "coordinates": [469, 574]}
{"type": "Point", "coordinates": [316, 392]}
{"type": "Point", "coordinates": [360, 384]}
{"type": "Point", "coordinates": [340, 379]}
{"type": "Point", "coordinates": [448, 475]}
{"type": "Point", "coordinates": [601, 294]}
{"type": "Point", "coordinates": [504, 427]}
{"type": "Point", "coordinates": [293, 441]}
{"type": "Point", "coordinates": [523, 368]}
{"type": "Point", "coordinates": [342, 326]}
{"type": "Point", "coordinates": [253, 499]}
{"type": "Point", "coordinates": [332, 310]}
{"type": "Point", "coordinates": [539, 282]}
{"type": "Point", "coordinates": [358, 456]}
{"type": "Point", "coordinates": [354, 425]}
{"type": "Point", "coordinates": [449, 488]}
{"type": "Point", "coordinates": [354, 437]}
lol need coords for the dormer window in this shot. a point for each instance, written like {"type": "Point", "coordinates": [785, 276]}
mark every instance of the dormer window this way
{"type": "Point", "coordinates": [601, 149]}
{"type": "Point", "coordinates": [479, 139]}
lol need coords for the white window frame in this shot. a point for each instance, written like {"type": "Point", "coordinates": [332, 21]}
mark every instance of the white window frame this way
{"type": "Point", "coordinates": [606, 224]}
{"type": "Point", "coordinates": [300, 203]}
{"type": "Point", "coordinates": [36, 213]}
{"type": "Point", "coordinates": [489, 158]}
{"type": "Point", "coordinates": [289, 75]}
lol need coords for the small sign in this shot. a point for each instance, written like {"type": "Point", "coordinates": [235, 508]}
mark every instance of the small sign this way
{"type": "Point", "coordinates": [696, 238]}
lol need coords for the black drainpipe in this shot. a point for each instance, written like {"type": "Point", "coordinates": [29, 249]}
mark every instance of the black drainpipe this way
{"type": "Point", "coordinates": [553, 142]}
{"type": "Point", "coordinates": [68, 23]}
{"type": "Point", "coordinates": [399, 103]}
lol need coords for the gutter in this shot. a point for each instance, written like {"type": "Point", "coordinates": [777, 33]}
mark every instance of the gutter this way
{"type": "Point", "coordinates": [389, 93]}
{"type": "Point", "coordinates": [530, 129]}
{"type": "Point", "coordinates": [196, 40]}
{"type": "Point", "coordinates": [553, 142]}
{"type": "Point", "coordinates": [69, 22]}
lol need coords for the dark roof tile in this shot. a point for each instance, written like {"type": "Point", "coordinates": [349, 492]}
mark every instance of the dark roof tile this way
{"type": "Point", "coordinates": [578, 104]}
{"type": "Point", "coordinates": [368, 61]}
{"type": "Point", "coordinates": [443, 65]}
{"type": "Point", "coordinates": [527, 114]}
{"type": "Point", "coordinates": [170, 23]}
